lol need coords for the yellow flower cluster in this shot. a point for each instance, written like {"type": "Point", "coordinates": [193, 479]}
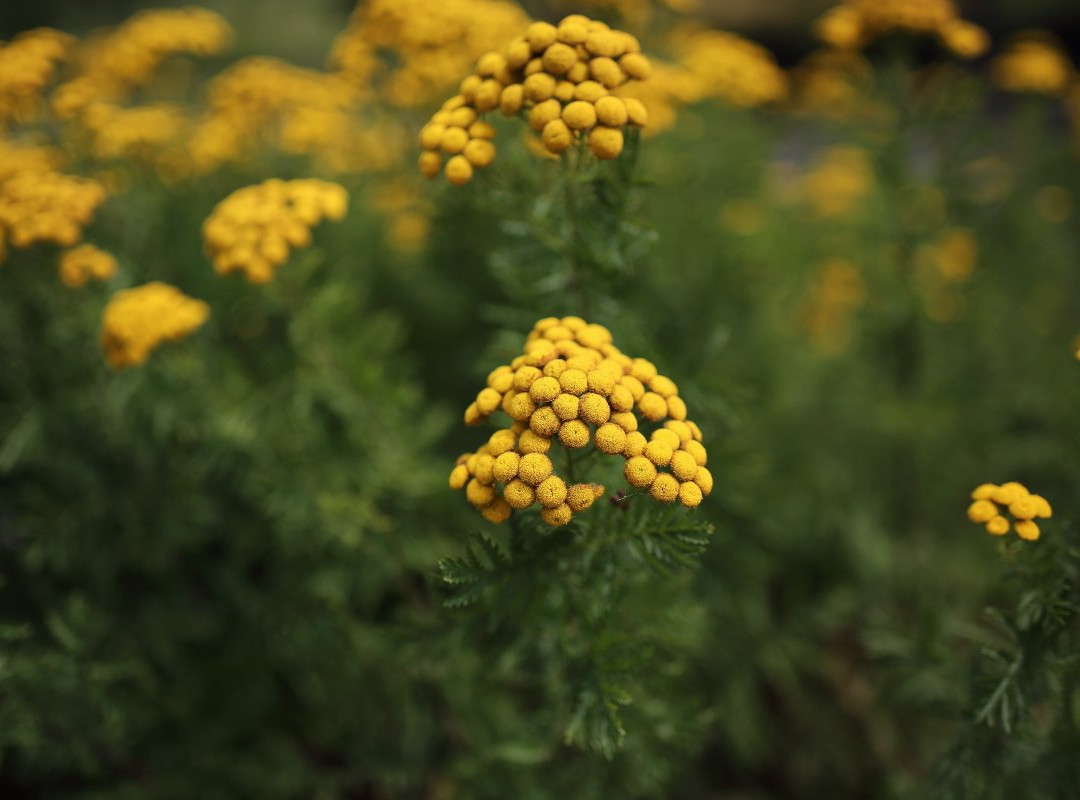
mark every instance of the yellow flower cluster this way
{"type": "Point", "coordinates": [1035, 62]}
{"type": "Point", "coordinates": [429, 42]}
{"type": "Point", "coordinates": [47, 207]}
{"type": "Point", "coordinates": [81, 264]}
{"type": "Point", "coordinates": [563, 77]}
{"type": "Point", "coordinates": [855, 23]}
{"type": "Point", "coordinates": [138, 320]}
{"type": "Point", "coordinates": [18, 157]}
{"type": "Point", "coordinates": [573, 385]}
{"type": "Point", "coordinates": [731, 68]}
{"type": "Point", "coordinates": [137, 132]}
{"type": "Point", "coordinates": [253, 229]}
{"type": "Point", "coordinates": [113, 63]}
{"type": "Point", "coordinates": [1013, 497]}
{"type": "Point", "coordinates": [27, 64]}
{"type": "Point", "coordinates": [840, 179]}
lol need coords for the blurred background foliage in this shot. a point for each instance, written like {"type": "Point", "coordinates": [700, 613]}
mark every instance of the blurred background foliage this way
{"type": "Point", "coordinates": [217, 569]}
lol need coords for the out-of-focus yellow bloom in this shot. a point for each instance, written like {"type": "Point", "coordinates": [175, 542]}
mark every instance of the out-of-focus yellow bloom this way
{"type": "Point", "coordinates": [836, 293]}
{"type": "Point", "coordinates": [112, 63]}
{"type": "Point", "coordinates": [829, 82]}
{"type": "Point", "coordinates": [991, 502]}
{"type": "Point", "coordinates": [429, 42]}
{"type": "Point", "coordinates": [563, 77]}
{"type": "Point", "coordinates": [139, 132]}
{"type": "Point", "coordinates": [254, 229]}
{"type": "Point", "coordinates": [17, 157]}
{"type": "Point", "coordinates": [27, 64]}
{"type": "Point", "coordinates": [572, 384]}
{"type": "Point", "coordinates": [841, 178]}
{"type": "Point", "coordinates": [731, 68]}
{"type": "Point", "coordinates": [47, 207]}
{"type": "Point", "coordinates": [138, 320]}
{"type": "Point", "coordinates": [853, 24]}
{"type": "Point", "coordinates": [406, 210]}
{"type": "Point", "coordinates": [1034, 62]}
{"type": "Point", "coordinates": [637, 14]}
{"type": "Point", "coordinates": [85, 262]}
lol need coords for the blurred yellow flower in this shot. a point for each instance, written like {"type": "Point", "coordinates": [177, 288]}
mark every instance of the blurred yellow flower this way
{"type": "Point", "coordinates": [1034, 62]}
{"type": "Point", "coordinates": [853, 24]}
{"type": "Point", "coordinates": [137, 320]}
{"type": "Point", "coordinates": [85, 262]}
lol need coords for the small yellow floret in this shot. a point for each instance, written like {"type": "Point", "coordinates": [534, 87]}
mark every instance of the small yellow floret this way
{"type": "Point", "coordinates": [560, 515]}
{"type": "Point", "coordinates": [551, 492]}
{"type": "Point", "coordinates": [639, 471]}
{"type": "Point", "coordinates": [574, 434]}
{"type": "Point", "coordinates": [534, 468]}
{"type": "Point", "coordinates": [664, 488]}
{"type": "Point", "coordinates": [998, 526]}
{"type": "Point", "coordinates": [610, 438]}
{"type": "Point", "coordinates": [690, 494]}
{"type": "Point", "coordinates": [1026, 529]}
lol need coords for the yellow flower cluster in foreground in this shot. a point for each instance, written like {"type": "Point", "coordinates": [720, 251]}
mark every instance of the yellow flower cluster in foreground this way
{"type": "Point", "coordinates": [253, 229]}
{"type": "Point", "coordinates": [430, 42]}
{"type": "Point", "coordinates": [564, 78]}
{"type": "Point", "coordinates": [573, 385]}
{"type": "Point", "coordinates": [138, 320]}
{"type": "Point", "coordinates": [81, 264]}
{"type": "Point", "coordinates": [47, 207]}
{"type": "Point", "coordinates": [1014, 498]}
{"type": "Point", "coordinates": [855, 23]}
{"type": "Point", "coordinates": [1034, 62]}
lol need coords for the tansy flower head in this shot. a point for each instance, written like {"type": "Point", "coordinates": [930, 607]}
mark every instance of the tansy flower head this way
{"type": "Point", "coordinates": [138, 320]}
{"type": "Point", "coordinates": [853, 24]}
{"type": "Point", "coordinates": [574, 386]}
{"type": "Point", "coordinates": [47, 207]}
{"type": "Point", "coordinates": [993, 502]}
{"type": "Point", "coordinates": [564, 80]}
{"type": "Point", "coordinates": [254, 229]}
{"type": "Point", "coordinates": [80, 264]}
{"type": "Point", "coordinates": [1035, 62]}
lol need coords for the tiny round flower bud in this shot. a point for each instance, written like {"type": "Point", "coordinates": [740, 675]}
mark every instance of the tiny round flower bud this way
{"type": "Point", "coordinates": [603, 43]}
{"type": "Point", "coordinates": [511, 99]}
{"type": "Point", "coordinates": [534, 468]}
{"type": "Point", "coordinates": [557, 137]}
{"type": "Point", "coordinates": [564, 91]}
{"type": "Point", "coordinates": [501, 379]}
{"type": "Point", "coordinates": [982, 511]}
{"type": "Point", "coordinates": [668, 437]}
{"type": "Point", "coordinates": [555, 368]}
{"type": "Point", "coordinates": [600, 382]}
{"type": "Point", "coordinates": [589, 92]}
{"type": "Point", "coordinates": [605, 142]}
{"type": "Point", "coordinates": [610, 438]}
{"type": "Point", "coordinates": [484, 465]}
{"type": "Point", "coordinates": [517, 53]}
{"type": "Point", "coordinates": [574, 381]}
{"type": "Point", "coordinates": [459, 476]}
{"type": "Point", "coordinates": [479, 494]}
{"type": "Point", "coordinates": [683, 466]}
{"type": "Point", "coordinates": [580, 496]}
{"type": "Point", "coordinates": [664, 488]}
{"type": "Point", "coordinates": [473, 415]}
{"type": "Point", "coordinates": [540, 35]}
{"type": "Point", "coordinates": [984, 491]}
{"type": "Point", "coordinates": [430, 164]}
{"type": "Point", "coordinates": [566, 406]}
{"type": "Point", "coordinates": [454, 140]}
{"type": "Point", "coordinates": [488, 96]}
{"type": "Point", "coordinates": [519, 494]}
{"type": "Point", "coordinates": [680, 429]}
{"type": "Point", "coordinates": [544, 389]}
{"type": "Point", "coordinates": [559, 58]}
{"type": "Point", "coordinates": [458, 170]}
{"type": "Point", "coordinates": [611, 111]}
{"type": "Point", "coordinates": [690, 494]}
{"type": "Point", "coordinates": [524, 377]}
{"type": "Point", "coordinates": [1044, 511]}
{"type": "Point", "coordinates": [635, 444]}
{"type": "Point", "coordinates": [625, 420]}
{"type": "Point", "coordinates": [703, 478]}
{"type": "Point", "coordinates": [639, 472]}
{"type": "Point", "coordinates": [551, 492]}
{"type": "Point", "coordinates": [578, 73]}
{"type": "Point", "coordinates": [500, 442]}
{"type": "Point", "coordinates": [462, 117]}
{"type": "Point", "coordinates": [530, 442]}
{"type": "Point", "coordinates": [621, 399]}
{"type": "Point", "coordinates": [490, 63]}
{"type": "Point", "coordinates": [558, 516]}
{"type": "Point", "coordinates": [579, 115]}
{"type": "Point", "coordinates": [636, 111]}
{"type": "Point", "coordinates": [574, 433]}
{"type": "Point", "coordinates": [572, 31]}
{"type": "Point", "coordinates": [1026, 529]}
{"type": "Point", "coordinates": [479, 152]}
{"type": "Point", "coordinates": [652, 406]}
{"type": "Point", "coordinates": [636, 387]}
{"type": "Point", "coordinates": [636, 66]}
{"type": "Point", "coordinates": [676, 408]}
{"type": "Point", "coordinates": [497, 511]}
{"type": "Point", "coordinates": [431, 136]}
{"type": "Point", "coordinates": [505, 468]}
{"type": "Point", "coordinates": [539, 86]}
{"type": "Point", "coordinates": [556, 332]}
{"type": "Point", "coordinates": [663, 386]}
{"type": "Point", "coordinates": [997, 526]}
{"type": "Point", "coordinates": [487, 401]}
{"type": "Point", "coordinates": [606, 72]}
{"type": "Point", "coordinates": [697, 451]}
{"type": "Point", "coordinates": [544, 422]}
{"type": "Point", "coordinates": [535, 65]}
{"type": "Point", "coordinates": [659, 453]}
{"type": "Point", "coordinates": [695, 431]}
{"type": "Point", "coordinates": [522, 407]}
{"type": "Point", "coordinates": [543, 113]}
{"type": "Point", "coordinates": [1023, 508]}
{"type": "Point", "coordinates": [1008, 492]}
{"type": "Point", "coordinates": [594, 409]}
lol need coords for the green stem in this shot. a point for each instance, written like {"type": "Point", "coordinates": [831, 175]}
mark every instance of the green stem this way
{"type": "Point", "coordinates": [577, 268]}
